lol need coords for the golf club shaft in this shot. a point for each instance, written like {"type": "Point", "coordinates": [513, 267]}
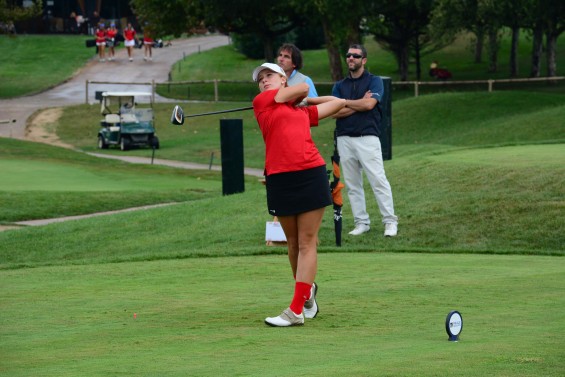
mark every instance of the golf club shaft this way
{"type": "Point", "coordinates": [218, 112]}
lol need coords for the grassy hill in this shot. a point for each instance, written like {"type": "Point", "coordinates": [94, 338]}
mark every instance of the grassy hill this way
{"type": "Point", "coordinates": [464, 167]}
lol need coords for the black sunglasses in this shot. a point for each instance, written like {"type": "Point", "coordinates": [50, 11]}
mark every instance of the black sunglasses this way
{"type": "Point", "coordinates": [356, 56]}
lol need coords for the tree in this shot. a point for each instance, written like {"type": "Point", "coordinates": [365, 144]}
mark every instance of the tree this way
{"type": "Point", "coordinates": [490, 11]}
{"type": "Point", "coordinates": [452, 16]}
{"type": "Point", "coordinates": [554, 28]}
{"type": "Point", "coordinates": [10, 12]}
{"type": "Point", "coordinates": [547, 17]}
{"type": "Point", "coordinates": [340, 20]}
{"type": "Point", "coordinates": [159, 14]}
{"type": "Point", "coordinates": [266, 19]}
{"type": "Point", "coordinates": [401, 27]}
{"type": "Point", "coordinates": [515, 16]}
{"type": "Point", "coordinates": [481, 17]}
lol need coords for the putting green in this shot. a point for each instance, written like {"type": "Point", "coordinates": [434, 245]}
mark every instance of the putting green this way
{"type": "Point", "coordinates": [539, 156]}
{"type": "Point", "coordinates": [27, 175]}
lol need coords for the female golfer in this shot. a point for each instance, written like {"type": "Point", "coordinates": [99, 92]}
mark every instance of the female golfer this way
{"type": "Point", "coordinates": [147, 44]}
{"type": "Point", "coordinates": [111, 40]}
{"type": "Point", "coordinates": [129, 40]}
{"type": "Point", "coordinates": [296, 179]}
{"type": "Point", "coordinates": [100, 35]}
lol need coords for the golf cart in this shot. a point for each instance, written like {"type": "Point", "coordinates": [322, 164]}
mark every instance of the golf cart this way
{"type": "Point", "coordinates": [125, 123]}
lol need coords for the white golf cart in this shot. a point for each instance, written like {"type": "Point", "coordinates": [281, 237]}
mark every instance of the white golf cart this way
{"type": "Point", "coordinates": [126, 123]}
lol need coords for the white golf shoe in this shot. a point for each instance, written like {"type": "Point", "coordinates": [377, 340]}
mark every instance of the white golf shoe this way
{"type": "Point", "coordinates": [360, 229]}
{"type": "Point", "coordinates": [391, 229]}
{"type": "Point", "coordinates": [311, 305]}
{"type": "Point", "coordinates": [286, 319]}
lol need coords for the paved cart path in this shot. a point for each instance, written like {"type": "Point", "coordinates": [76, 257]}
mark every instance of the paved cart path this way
{"type": "Point", "coordinates": [73, 91]}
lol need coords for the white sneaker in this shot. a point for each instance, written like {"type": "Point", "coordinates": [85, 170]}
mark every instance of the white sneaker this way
{"type": "Point", "coordinates": [311, 305]}
{"type": "Point", "coordinates": [130, 59]}
{"type": "Point", "coordinates": [360, 229]}
{"type": "Point", "coordinates": [391, 229]}
{"type": "Point", "coordinates": [286, 319]}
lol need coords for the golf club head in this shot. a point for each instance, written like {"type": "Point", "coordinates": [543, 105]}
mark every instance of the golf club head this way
{"type": "Point", "coordinates": [177, 117]}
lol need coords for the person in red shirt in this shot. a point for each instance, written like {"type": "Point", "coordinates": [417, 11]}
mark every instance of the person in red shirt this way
{"type": "Point", "coordinates": [111, 40]}
{"type": "Point", "coordinates": [295, 175]}
{"type": "Point", "coordinates": [147, 44]}
{"type": "Point", "coordinates": [129, 40]}
{"type": "Point", "coordinates": [100, 35]}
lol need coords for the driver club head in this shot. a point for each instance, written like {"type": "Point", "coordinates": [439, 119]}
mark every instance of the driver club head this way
{"type": "Point", "coordinates": [177, 117]}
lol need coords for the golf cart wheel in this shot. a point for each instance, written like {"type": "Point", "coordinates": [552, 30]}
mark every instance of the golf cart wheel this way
{"type": "Point", "coordinates": [101, 143]}
{"type": "Point", "coordinates": [154, 142]}
{"type": "Point", "coordinates": [124, 143]}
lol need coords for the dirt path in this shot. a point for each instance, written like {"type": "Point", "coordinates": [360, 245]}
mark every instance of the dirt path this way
{"type": "Point", "coordinates": [41, 127]}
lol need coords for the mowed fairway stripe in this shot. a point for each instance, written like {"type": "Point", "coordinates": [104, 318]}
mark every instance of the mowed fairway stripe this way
{"type": "Point", "coordinates": [539, 156]}
{"type": "Point", "coordinates": [27, 175]}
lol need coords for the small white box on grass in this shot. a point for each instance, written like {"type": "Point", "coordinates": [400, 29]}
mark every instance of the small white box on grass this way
{"type": "Point", "coordinates": [274, 232]}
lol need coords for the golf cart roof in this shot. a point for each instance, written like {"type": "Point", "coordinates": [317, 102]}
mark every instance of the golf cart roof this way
{"type": "Point", "coordinates": [125, 94]}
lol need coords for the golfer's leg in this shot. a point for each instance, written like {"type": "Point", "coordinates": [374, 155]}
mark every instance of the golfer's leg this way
{"type": "Point", "coordinates": [290, 228]}
{"type": "Point", "coordinates": [373, 166]}
{"type": "Point", "coordinates": [308, 226]}
{"type": "Point", "coordinates": [353, 177]}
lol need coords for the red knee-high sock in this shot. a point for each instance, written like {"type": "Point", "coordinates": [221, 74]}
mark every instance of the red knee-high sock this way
{"type": "Point", "coordinates": [301, 294]}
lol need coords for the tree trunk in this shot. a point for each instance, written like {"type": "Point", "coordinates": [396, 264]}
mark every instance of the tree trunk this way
{"type": "Point", "coordinates": [480, 34]}
{"type": "Point", "coordinates": [514, 51]}
{"type": "Point", "coordinates": [403, 59]}
{"type": "Point", "coordinates": [268, 49]}
{"type": "Point", "coordinates": [353, 35]}
{"type": "Point", "coordinates": [417, 57]}
{"type": "Point", "coordinates": [537, 48]}
{"type": "Point", "coordinates": [332, 46]}
{"type": "Point", "coordinates": [551, 63]}
{"type": "Point", "coordinates": [493, 50]}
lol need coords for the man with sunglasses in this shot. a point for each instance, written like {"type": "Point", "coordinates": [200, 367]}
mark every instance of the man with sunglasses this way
{"type": "Point", "coordinates": [357, 129]}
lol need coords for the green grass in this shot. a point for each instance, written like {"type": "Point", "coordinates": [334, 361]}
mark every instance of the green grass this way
{"type": "Point", "coordinates": [41, 181]}
{"type": "Point", "coordinates": [449, 168]}
{"type": "Point", "coordinates": [382, 314]}
{"type": "Point", "coordinates": [430, 124]}
{"type": "Point", "coordinates": [33, 63]}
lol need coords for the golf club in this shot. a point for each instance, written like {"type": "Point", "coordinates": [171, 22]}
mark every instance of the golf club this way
{"type": "Point", "coordinates": [3, 121]}
{"type": "Point", "coordinates": [178, 116]}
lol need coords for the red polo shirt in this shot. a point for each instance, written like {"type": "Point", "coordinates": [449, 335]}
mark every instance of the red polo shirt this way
{"type": "Point", "coordinates": [286, 133]}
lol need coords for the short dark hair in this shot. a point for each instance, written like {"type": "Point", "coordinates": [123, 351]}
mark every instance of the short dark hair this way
{"type": "Point", "coordinates": [359, 47]}
{"type": "Point", "coordinates": [295, 54]}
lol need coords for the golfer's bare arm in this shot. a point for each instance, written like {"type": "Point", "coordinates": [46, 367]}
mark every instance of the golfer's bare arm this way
{"type": "Point", "coordinates": [327, 105]}
{"type": "Point", "coordinates": [292, 93]}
